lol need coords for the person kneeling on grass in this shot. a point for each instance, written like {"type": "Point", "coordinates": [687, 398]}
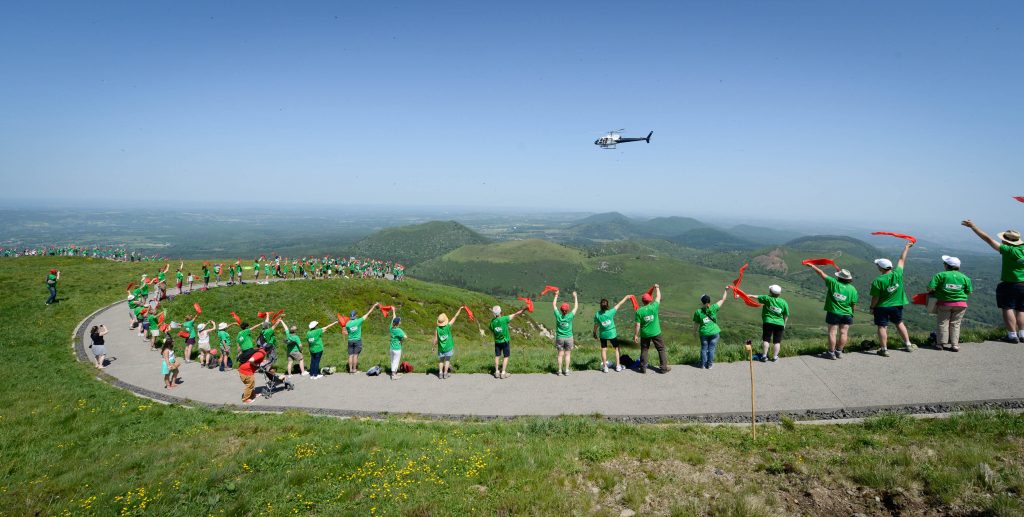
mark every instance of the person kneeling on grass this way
{"type": "Point", "coordinates": [888, 296]}
{"type": "Point", "coordinates": [705, 326]}
{"type": "Point", "coordinates": [502, 347]}
{"type": "Point", "coordinates": [951, 289]}
{"type": "Point", "coordinates": [445, 343]}
{"type": "Point", "coordinates": [247, 372]}
{"type": "Point", "coordinates": [604, 330]}
{"type": "Point", "coordinates": [563, 331]}
{"type": "Point", "coordinates": [840, 302]}
{"type": "Point", "coordinates": [169, 366]}
{"type": "Point", "coordinates": [397, 336]}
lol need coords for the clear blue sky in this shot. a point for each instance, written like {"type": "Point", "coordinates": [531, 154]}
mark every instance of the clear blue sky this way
{"type": "Point", "coordinates": [852, 109]}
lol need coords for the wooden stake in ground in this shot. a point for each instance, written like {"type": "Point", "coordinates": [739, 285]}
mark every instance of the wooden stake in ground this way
{"type": "Point", "coordinates": [753, 413]}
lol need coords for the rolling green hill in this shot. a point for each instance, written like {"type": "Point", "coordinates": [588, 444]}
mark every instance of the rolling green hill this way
{"type": "Point", "coordinates": [416, 243]}
{"type": "Point", "coordinates": [708, 238]}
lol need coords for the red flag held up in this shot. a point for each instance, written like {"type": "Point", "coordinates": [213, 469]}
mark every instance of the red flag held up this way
{"type": "Point", "coordinates": [199, 310]}
{"type": "Point", "coordinates": [261, 315]}
{"type": "Point", "coordinates": [821, 262]}
{"type": "Point", "coordinates": [342, 320]}
{"type": "Point", "coordinates": [738, 293]}
{"type": "Point", "coordinates": [529, 304]}
{"type": "Point", "coordinates": [919, 299]}
{"type": "Point", "coordinates": [164, 327]}
{"type": "Point", "coordinates": [651, 291]}
{"type": "Point", "coordinates": [636, 305]}
{"type": "Point", "coordinates": [386, 309]}
{"type": "Point", "coordinates": [897, 235]}
{"type": "Point", "coordinates": [130, 285]}
{"type": "Point", "coordinates": [739, 280]}
{"type": "Point", "coordinates": [276, 315]}
{"type": "Point", "coordinates": [548, 289]}
{"type": "Point", "coordinates": [469, 313]}
{"type": "Point", "coordinates": [1019, 198]}
{"type": "Point", "coordinates": [237, 319]}
{"type": "Point", "coordinates": [160, 318]}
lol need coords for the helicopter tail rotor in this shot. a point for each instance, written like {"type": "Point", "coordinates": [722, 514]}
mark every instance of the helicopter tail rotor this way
{"type": "Point", "coordinates": [648, 139]}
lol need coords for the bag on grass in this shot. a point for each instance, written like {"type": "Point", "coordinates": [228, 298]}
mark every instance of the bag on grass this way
{"type": "Point", "coordinates": [373, 372]}
{"type": "Point", "coordinates": [626, 361]}
{"type": "Point", "coordinates": [405, 367]}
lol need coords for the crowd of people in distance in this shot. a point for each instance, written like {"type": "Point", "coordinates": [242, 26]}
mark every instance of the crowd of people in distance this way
{"type": "Point", "coordinates": [115, 253]}
{"type": "Point", "coordinates": [948, 293]}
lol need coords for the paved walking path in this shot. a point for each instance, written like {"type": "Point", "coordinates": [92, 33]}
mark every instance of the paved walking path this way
{"type": "Point", "coordinates": [927, 380]}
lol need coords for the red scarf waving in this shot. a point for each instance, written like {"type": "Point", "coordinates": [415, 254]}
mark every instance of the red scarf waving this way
{"type": "Point", "coordinates": [821, 262]}
{"type": "Point", "coordinates": [386, 309]}
{"type": "Point", "coordinates": [739, 280]}
{"type": "Point", "coordinates": [130, 285]}
{"type": "Point", "coordinates": [199, 310]}
{"type": "Point", "coordinates": [1019, 198]}
{"type": "Point", "coordinates": [237, 319]}
{"type": "Point", "coordinates": [910, 238]}
{"type": "Point", "coordinates": [636, 305]}
{"type": "Point", "coordinates": [548, 289]}
{"type": "Point", "coordinates": [276, 315]}
{"type": "Point", "coordinates": [160, 318]}
{"type": "Point", "coordinates": [738, 293]}
{"type": "Point", "coordinates": [920, 299]}
{"type": "Point", "coordinates": [469, 313]}
{"type": "Point", "coordinates": [651, 291]}
{"type": "Point", "coordinates": [529, 304]}
{"type": "Point", "coordinates": [342, 320]}
{"type": "Point", "coordinates": [183, 334]}
{"type": "Point", "coordinates": [262, 315]}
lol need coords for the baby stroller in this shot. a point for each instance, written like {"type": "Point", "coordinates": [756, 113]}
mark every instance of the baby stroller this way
{"type": "Point", "coordinates": [274, 380]}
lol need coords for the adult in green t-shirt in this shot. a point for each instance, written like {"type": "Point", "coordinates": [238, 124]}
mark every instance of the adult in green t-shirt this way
{"type": "Point", "coordinates": [179, 280]}
{"type": "Point", "coordinates": [563, 330]}
{"type": "Point", "coordinates": [397, 336]}
{"type": "Point", "coordinates": [950, 288]}
{"type": "Point", "coordinates": [190, 326]}
{"type": "Point", "coordinates": [445, 343]}
{"type": "Point", "coordinates": [648, 330]}
{"type": "Point", "coordinates": [840, 302]}
{"type": "Point", "coordinates": [244, 338]}
{"type": "Point", "coordinates": [315, 339]}
{"type": "Point", "coordinates": [256, 269]}
{"type": "Point", "coordinates": [705, 326]}
{"type": "Point", "coordinates": [1010, 291]}
{"type": "Point", "coordinates": [605, 332]}
{"type": "Point", "coordinates": [225, 345]}
{"type": "Point", "coordinates": [888, 296]}
{"type": "Point", "coordinates": [294, 346]}
{"type": "Point", "coordinates": [51, 285]}
{"type": "Point", "coordinates": [774, 316]}
{"type": "Point", "coordinates": [502, 347]}
{"type": "Point", "coordinates": [354, 329]}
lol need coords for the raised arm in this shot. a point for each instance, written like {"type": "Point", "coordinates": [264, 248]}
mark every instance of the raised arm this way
{"type": "Point", "coordinates": [452, 321]}
{"type": "Point", "coordinates": [903, 257]}
{"type": "Point", "coordinates": [575, 302]}
{"type": "Point", "coordinates": [622, 301]}
{"type": "Point", "coordinates": [367, 315]}
{"type": "Point", "coordinates": [818, 271]}
{"type": "Point", "coordinates": [554, 302]}
{"type": "Point", "coordinates": [510, 316]}
{"type": "Point", "coordinates": [981, 234]}
{"type": "Point", "coordinates": [333, 323]}
{"type": "Point", "coordinates": [725, 295]}
{"type": "Point", "coordinates": [103, 330]}
{"type": "Point", "coordinates": [657, 293]}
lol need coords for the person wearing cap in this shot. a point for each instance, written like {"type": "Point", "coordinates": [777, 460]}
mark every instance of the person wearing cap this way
{"type": "Point", "coordinates": [1010, 291]}
{"type": "Point", "coordinates": [315, 338]}
{"type": "Point", "coordinates": [354, 329]}
{"type": "Point", "coordinates": [294, 345]}
{"type": "Point", "coordinates": [395, 353]}
{"type": "Point", "coordinates": [445, 343]}
{"type": "Point", "coordinates": [225, 345]}
{"type": "Point", "coordinates": [774, 317]}
{"type": "Point", "coordinates": [951, 289]}
{"type": "Point", "coordinates": [502, 347]}
{"type": "Point", "coordinates": [51, 285]}
{"type": "Point", "coordinates": [563, 331]}
{"type": "Point", "coordinates": [840, 302]}
{"type": "Point", "coordinates": [648, 330]}
{"type": "Point", "coordinates": [705, 325]}
{"type": "Point", "coordinates": [247, 373]}
{"type": "Point", "coordinates": [888, 296]}
{"type": "Point", "coordinates": [605, 331]}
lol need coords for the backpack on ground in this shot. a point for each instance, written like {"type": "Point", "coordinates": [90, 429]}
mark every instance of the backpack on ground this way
{"type": "Point", "coordinates": [373, 372]}
{"type": "Point", "coordinates": [627, 361]}
{"type": "Point", "coordinates": [405, 367]}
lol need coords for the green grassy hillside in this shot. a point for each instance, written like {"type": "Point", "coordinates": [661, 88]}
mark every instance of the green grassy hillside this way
{"type": "Point", "coordinates": [416, 243]}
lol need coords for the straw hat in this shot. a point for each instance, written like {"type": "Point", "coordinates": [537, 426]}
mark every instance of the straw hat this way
{"type": "Point", "coordinates": [442, 319]}
{"type": "Point", "coordinates": [1011, 237]}
{"type": "Point", "coordinates": [222, 326]}
{"type": "Point", "coordinates": [844, 274]}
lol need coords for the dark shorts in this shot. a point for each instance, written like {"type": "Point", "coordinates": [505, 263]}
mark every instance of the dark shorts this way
{"type": "Point", "coordinates": [772, 333]}
{"type": "Point", "coordinates": [836, 319]}
{"type": "Point", "coordinates": [1010, 295]}
{"type": "Point", "coordinates": [883, 315]}
{"type": "Point", "coordinates": [190, 341]}
{"type": "Point", "coordinates": [606, 342]}
{"type": "Point", "coordinates": [355, 347]}
{"type": "Point", "coordinates": [502, 349]}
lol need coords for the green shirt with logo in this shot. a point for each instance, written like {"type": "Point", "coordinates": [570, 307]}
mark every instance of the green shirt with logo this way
{"type": "Point", "coordinates": [1013, 263]}
{"type": "Point", "coordinates": [354, 327]}
{"type": "Point", "coordinates": [563, 325]}
{"type": "Point", "coordinates": [605, 321]}
{"type": "Point", "coordinates": [499, 327]}
{"type": "Point", "coordinates": [316, 340]}
{"type": "Point", "coordinates": [889, 290]}
{"type": "Point", "coordinates": [647, 317]}
{"type": "Point", "coordinates": [707, 318]}
{"type": "Point", "coordinates": [774, 310]}
{"type": "Point", "coordinates": [244, 339]}
{"type": "Point", "coordinates": [950, 286]}
{"type": "Point", "coordinates": [839, 297]}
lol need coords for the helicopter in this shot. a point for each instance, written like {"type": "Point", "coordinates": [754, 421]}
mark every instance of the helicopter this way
{"type": "Point", "coordinates": [613, 138]}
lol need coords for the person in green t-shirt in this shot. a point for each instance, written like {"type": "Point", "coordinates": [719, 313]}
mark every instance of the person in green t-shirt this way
{"type": "Point", "coordinates": [314, 337]}
{"type": "Point", "coordinates": [502, 338]}
{"type": "Point", "coordinates": [1010, 291]}
{"type": "Point", "coordinates": [605, 332]}
{"type": "Point", "coordinates": [563, 331]}
{"type": "Point", "coordinates": [888, 296]}
{"type": "Point", "coordinates": [950, 288]}
{"type": "Point", "coordinates": [840, 303]}
{"type": "Point", "coordinates": [774, 316]}
{"type": "Point", "coordinates": [397, 336]}
{"type": "Point", "coordinates": [51, 285]}
{"type": "Point", "coordinates": [179, 279]}
{"type": "Point", "coordinates": [445, 343]}
{"type": "Point", "coordinates": [648, 330]}
{"type": "Point", "coordinates": [206, 277]}
{"type": "Point", "coordinates": [225, 345]}
{"type": "Point", "coordinates": [294, 347]}
{"type": "Point", "coordinates": [354, 329]}
{"type": "Point", "coordinates": [190, 326]}
{"type": "Point", "coordinates": [243, 341]}
{"type": "Point", "coordinates": [705, 326]}
{"type": "Point", "coordinates": [256, 269]}
{"type": "Point", "coordinates": [231, 274]}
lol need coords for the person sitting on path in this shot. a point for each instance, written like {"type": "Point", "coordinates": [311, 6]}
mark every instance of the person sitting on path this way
{"type": "Point", "coordinates": [888, 296]}
{"type": "Point", "coordinates": [563, 331]}
{"type": "Point", "coordinates": [354, 329]}
{"type": "Point", "coordinates": [315, 339]}
{"type": "Point", "coordinates": [1010, 291]}
{"type": "Point", "coordinates": [705, 326]}
{"type": "Point", "coordinates": [99, 350]}
{"type": "Point", "coordinates": [648, 331]}
{"type": "Point", "coordinates": [605, 332]}
{"type": "Point", "coordinates": [445, 343]}
{"type": "Point", "coordinates": [502, 339]}
{"type": "Point", "coordinates": [840, 302]}
{"type": "Point", "coordinates": [951, 288]}
{"type": "Point", "coordinates": [395, 353]}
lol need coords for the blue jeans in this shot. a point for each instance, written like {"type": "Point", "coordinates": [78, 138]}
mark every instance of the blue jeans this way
{"type": "Point", "coordinates": [314, 363]}
{"type": "Point", "coordinates": [53, 294]}
{"type": "Point", "coordinates": [707, 349]}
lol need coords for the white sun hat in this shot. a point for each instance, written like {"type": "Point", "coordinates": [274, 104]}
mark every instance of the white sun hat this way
{"type": "Point", "coordinates": [951, 261]}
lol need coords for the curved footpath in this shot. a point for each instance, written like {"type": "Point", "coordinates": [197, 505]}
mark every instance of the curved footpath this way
{"type": "Point", "coordinates": [984, 375]}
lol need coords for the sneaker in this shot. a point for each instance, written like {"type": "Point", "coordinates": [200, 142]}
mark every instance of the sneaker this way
{"type": "Point", "coordinates": [883, 352]}
{"type": "Point", "coordinates": [222, 368]}
{"type": "Point", "coordinates": [839, 354]}
{"type": "Point", "coordinates": [505, 375]}
{"type": "Point", "coordinates": [1012, 340]}
{"type": "Point", "coordinates": [665, 369]}
{"type": "Point", "coordinates": [775, 359]}
{"type": "Point", "coordinates": [619, 368]}
{"type": "Point", "coordinates": [396, 376]}
{"type": "Point", "coordinates": [642, 370]}
{"type": "Point", "coordinates": [604, 369]}
{"type": "Point", "coordinates": [565, 373]}
{"type": "Point", "coordinates": [830, 355]}
{"type": "Point", "coordinates": [763, 358]}
{"type": "Point", "coordinates": [910, 347]}
{"type": "Point", "coordinates": [497, 374]}
{"type": "Point", "coordinates": [708, 367]}
{"type": "Point", "coordinates": [304, 373]}
{"type": "Point", "coordinates": [249, 401]}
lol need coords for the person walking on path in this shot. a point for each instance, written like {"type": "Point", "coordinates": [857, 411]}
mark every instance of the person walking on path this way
{"type": "Point", "coordinates": [705, 326]}
{"type": "Point", "coordinates": [247, 373]}
{"type": "Point", "coordinates": [225, 345]}
{"type": "Point", "coordinates": [951, 288]}
{"type": "Point", "coordinates": [774, 317]}
{"type": "Point", "coordinates": [51, 285]}
{"type": "Point", "coordinates": [605, 332]}
{"type": "Point", "coordinates": [445, 343]}
{"type": "Point", "coordinates": [190, 326]}
{"type": "Point", "coordinates": [99, 350]}
{"type": "Point", "coordinates": [293, 343]}
{"type": "Point", "coordinates": [354, 329]}
{"type": "Point", "coordinates": [315, 339]}
{"type": "Point", "coordinates": [395, 353]}
{"type": "Point", "coordinates": [502, 339]}
{"type": "Point", "coordinates": [563, 331]}
{"type": "Point", "coordinates": [888, 297]}
{"type": "Point", "coordinates": [179, 279]}
{"type": "Point", "coordinates": [840, 302]}
{"type": "Point", "coordinates": [170, 365]}
{"type": "Point", "coordinates": [1010, 291]}
{"type": "Point", "coordinates": [648, 331]}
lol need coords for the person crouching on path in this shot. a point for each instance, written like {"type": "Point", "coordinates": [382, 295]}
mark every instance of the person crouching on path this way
{"type": "Point", "coordinates": [648, 331]}
{"type": "Point", "coordinates": [397, 336]}
{"type": "Point", "coordinates": [888, 296]}
{"type": "Point", "coordinates": [502, 338]}
{"type": "Point", "coordinates": [445, 343]}
{"type": "Point", "coordinates": [247, 373]}
{"type": "Point", "coordinates": [951, 289]}
{"type": "Point", "coordinates": [315, 339]}
{"type": "Point", "coordinates": [604, 330]}
{"type": "Point", "coordinates": [840, 302]}
{"type": "Point", "coordinates": [705, 325]}
{"type": "Point", "coordinates": [51, 285]}
{"type": "Point", "coordinates": [354, 329]}
{"type": "Point", "coordinates": [170, 365]}
{"type": "Point", "coordinates": [293, 343]}
{"type": "Point", "coordinates": [563, 331]}
{"type": "Point", "coordinates": [774, 317]}
{"type": "Point", "coordinates": [1010, 291]}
